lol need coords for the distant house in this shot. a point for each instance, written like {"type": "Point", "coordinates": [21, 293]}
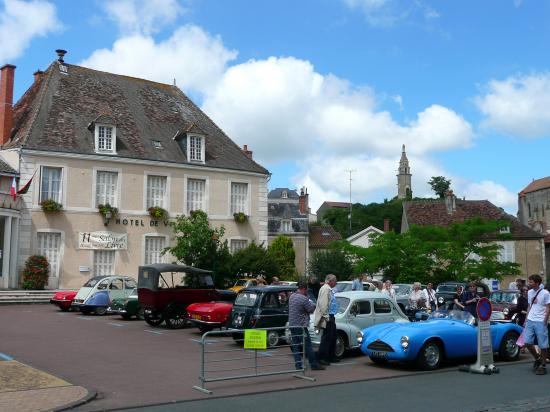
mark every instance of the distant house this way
{"type": "Point", "coordinates": [320, 237]}
{"type": "Point", "coordinates": [526, 246]}
{"type": "Point", "coordinates": [330, 205]}
{"type": "Point", "coordinates": [363, 237]}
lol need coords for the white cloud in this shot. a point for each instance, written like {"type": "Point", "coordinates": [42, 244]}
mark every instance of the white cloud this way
{"type": "Point", "coordinates": [194, 58]}
{"type": "Point", "coordinates": [142, 16]}
{"type": "Point", "coordinates": [494, 192]}
{"type": "Point", "coordinates": [518, 105]}
{"type": "Point", "coordinates": [21, 21]}
{"type": "Point", "coordinates": [387, 13]}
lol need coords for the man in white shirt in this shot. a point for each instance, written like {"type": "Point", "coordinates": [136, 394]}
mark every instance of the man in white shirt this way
{"type": "Point", "coordinates": [537, 320]}
{"type": "Point", "coordinates": [429, 295]}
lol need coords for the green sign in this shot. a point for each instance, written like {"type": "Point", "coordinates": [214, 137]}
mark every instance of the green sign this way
{"type": "Point", "coordinates": [255, 339]}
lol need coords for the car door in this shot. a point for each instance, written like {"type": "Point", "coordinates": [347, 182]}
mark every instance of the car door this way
{"type": "Point", "coordinates": [363, 318]}
{"type": "Point", "coordinates": [116, 289]}
{"type": "Point", "coordinates": [382, 311]}
{"type": "Point", "coordinates": [129, 286]}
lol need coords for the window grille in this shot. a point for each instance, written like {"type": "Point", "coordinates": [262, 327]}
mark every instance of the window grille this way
{"type": "Point", "coordinates": [239, 198]}
{"type": "Point", "coordinates": [104, 262]}
{"type": "Point", "coordinates": [50, 184]}
{"type": "Point", "coordinates": [237, 244]}
{"type": "Point", "coordinates": [195, 148]}
{"type": "Point", "coordinates": [156, 191]}
{"type": "Point", "coordinates": [49, 245]}
{"type": "Point", "coordinates": [106, 188]}
{"type": "Point", "coordinates": [195, 194]}
{"type": "Point", "coordinates": [105, 139]}
{"type": "Point", "coordinates": [154, 245]}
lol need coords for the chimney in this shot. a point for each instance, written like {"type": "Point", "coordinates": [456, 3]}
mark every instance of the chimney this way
{"type": "Point", "coordinates": [450, 203]}
{"type": "Point", "coordinates": [38, 75]}
{"type": "Point", "coordinates": [61, 54]}
{"type": "Point", "coordinates": [304, 201]}
{"type": "Point", "coordinates": [386, 225]}
{"type": "Point", "coordinates": [6, 102]}
{"type": "Point", "coordinates": [247, 152]}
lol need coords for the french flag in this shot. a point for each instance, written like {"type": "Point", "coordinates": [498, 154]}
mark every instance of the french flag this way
{"type": "Point", "coordinates": [13, 190]}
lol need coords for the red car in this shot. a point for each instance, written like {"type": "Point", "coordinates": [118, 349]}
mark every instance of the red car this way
{"type": "Point", "coordinates": [209, 315]}
{"type": "Point", "coordinates": [64, 299]}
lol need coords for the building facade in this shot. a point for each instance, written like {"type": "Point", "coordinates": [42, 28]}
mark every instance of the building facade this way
{"type": "Point", "coordinates": [85, 138]}
{"type": "Point", "coordinates": [404, 177]}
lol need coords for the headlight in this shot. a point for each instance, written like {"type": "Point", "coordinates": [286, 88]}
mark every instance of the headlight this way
{"type": "Point", "coordinates": [405, 342]}
{"type": "Point", "coordinates": [440, 300]}
{"type": "Point", "coordinates": [506, 311]}
{"type": "Point", "coordinates": [317, 331]}
{"type": "Point", "coordinates": [359, 337]}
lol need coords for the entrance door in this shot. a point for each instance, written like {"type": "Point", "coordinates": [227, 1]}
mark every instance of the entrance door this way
{"type": "Point", "coordinates": [49, 245]}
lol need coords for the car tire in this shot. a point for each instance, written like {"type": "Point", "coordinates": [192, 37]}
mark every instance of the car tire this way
{"type": "Point", "coordinates": [340, 346]}
{"type": "Point", "coordinates": [176, 317]}
{"type": "Point", "coordinates": [508, 350]}
{"type": "Point", "coordinates": [140, 314]}
{"type": "Point", "coordinates": [100, 310]}
{"type": "Point", "coordinates": [153, 320]}
{"type": "Point", "coordinates": [273, 338]}
{"type": "Point", "coordinates": [430, 356]}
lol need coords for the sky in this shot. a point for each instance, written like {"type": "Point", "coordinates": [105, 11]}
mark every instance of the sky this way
{"type": "Point", "coordinates": [317, 88]}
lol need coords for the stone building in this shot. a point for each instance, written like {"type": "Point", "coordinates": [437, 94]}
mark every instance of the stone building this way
{"type": "Point", "coordinates": [92, 138]}
{"type": "Point", "coordinates": [404, 185]}
{"type": "Point", "coordinates": [330, 205]}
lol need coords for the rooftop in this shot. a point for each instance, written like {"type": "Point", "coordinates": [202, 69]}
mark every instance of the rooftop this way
{"type": "Point", "coordinates": [535, 185]}
{"type": "Point", "coordinates": [321, 236]}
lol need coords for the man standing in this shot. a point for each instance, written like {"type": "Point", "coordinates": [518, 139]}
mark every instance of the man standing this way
{"type": "Point", "coordinates": [299, 308]}
{"type": "Point", "coordinates": [357, 283]}
{"type": "Point", "coordinates": [429, 295]}
{"type": "Point", "coordinates": [537, 320]}
{"type": "Point", "coordinates": [325, 310]}
{"type": "Point", "coordinates": [470, 298]}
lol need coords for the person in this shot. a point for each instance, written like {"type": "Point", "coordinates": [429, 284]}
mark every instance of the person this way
{"type": "Point", "coordinates": [299, 308]}
{"type": "Point", "coordinates": [470, 298]}
{"type": "Point", "coordinates": [416, 297]}
{"type": "Point", "coordinates": [314, 286]}
{"type": "Point", "coordinates": [514, 285]}
{"type": "Point", "coordinates": [429, 295]}
{"type": "Point", "coordinates": [357, 283]}
{"type": "Point", "coordinates": [326, 308]}
{"type": "Point", "coordinates": [379, 286]}
{"type": "Point", "coordinates": [521, 307]}
{"type": "Point", "coordinates": [536, 324]}
{"type": "Point", "coordinates": [457, 304]}
{"type": "Point", "coordinates": [388, 289]}
{"type": "Point", "coordinates": [275, 280]}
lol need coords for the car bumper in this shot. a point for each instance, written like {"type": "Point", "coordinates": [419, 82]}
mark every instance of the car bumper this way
{"type": "Point", "coordinates": [205, 322]}
{"type": "Point", "coordinates": [61, 302]}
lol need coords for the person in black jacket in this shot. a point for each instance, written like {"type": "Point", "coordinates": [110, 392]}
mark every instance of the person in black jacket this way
{"type": "Point", "coordinates": [521, 307]}
{"type": "Point", "coordinates": [313, 285]}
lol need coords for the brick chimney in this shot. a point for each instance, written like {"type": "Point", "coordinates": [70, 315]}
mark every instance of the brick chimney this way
{"type": "Point", "coordinates": [6, 102]}
{"type": "Point", "coordinates": [247, 152]}
{"type": "Point", "coordinates": [450, 202]}
{"type": "Point", "coordinates": [386, 225]}
{"type": "Point", "coordinates": [38, 75]}
{"type": "Point", "coordinates": [304, 201]}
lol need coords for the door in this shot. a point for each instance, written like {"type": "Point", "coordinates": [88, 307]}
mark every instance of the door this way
{"type": "Point", "coordinates": [116, 289]}
{"type": "Point", "coordinates": [383, 311]}
{"type": "Point", "coordinates": [49, 245]}
{"type": "Point", "coordinates": [363, 318]}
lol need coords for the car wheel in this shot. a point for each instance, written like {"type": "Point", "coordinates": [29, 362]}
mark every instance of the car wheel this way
{"type": "Point", "coordinates": [429, 357]}
{"type": "Point", "coordinates": [509, 350]}
{"type": "Point", "coordinates": [176, 318]}
{"type": "Point", "coordinates": [141, 314]}
{"type": "Point", "coordinates": [204, 328]}
{"type": "Point", "coordinates": [379, 361]}
{"type": "Point", "coordinates": [100, 310]}
{"type": "Point", "coordinates": [272, 338]}
{"type": "Point", "coordinates": [340, 347]}
{"type": "Point", "coordinates": [153, 319]}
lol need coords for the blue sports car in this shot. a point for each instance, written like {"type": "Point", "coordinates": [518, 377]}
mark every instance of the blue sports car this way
{"type": "Point", "coordinates": [445, 335]}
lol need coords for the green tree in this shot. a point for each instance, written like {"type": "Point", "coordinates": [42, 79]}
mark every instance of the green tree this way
{"type": "Point", "coordinates": [440, 185]}
{"type": "Point", "coordinates": [334, 260]}
{"type": "Point", "coordinates": [254, 259]}
{"type": "Point", "coordinates": [282, 251]}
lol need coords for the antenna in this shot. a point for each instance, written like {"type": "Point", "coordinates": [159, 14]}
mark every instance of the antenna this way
{"type": "Point", "coordinates": [350, 171]}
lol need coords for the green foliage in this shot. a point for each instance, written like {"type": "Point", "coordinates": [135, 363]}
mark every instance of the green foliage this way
{"type": "Point", "coordinates": [158, 212]}
{"type": "Point", "coordinates": [334, 260]}
{"type": "Point", "coordinates": [254, 260]}
{"type": "Point", "coordinates": [240, 217]}
{"type": "Point", "coordinates": [36, 272]}
{"type": "Point", "coordinates": [104, 209]}
{"type": "Point", "coordinates": [50, 205]}
{"type": "Point", "coordinates": [440, 185]}
{"type": "Point", "coordinates": [282, 251]}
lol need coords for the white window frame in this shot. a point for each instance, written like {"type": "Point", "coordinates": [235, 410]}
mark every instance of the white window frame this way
{"type": "Point", "coordinates": [114, 252]}
{"type": "Point", "coordinates": [61, 248]}
{"type": "Point", "coordinates": [285, 222]}
{"type": "Point", "coordinates": [62, 195]}
{"type": "Point", "coordinates": [206, 198]}
{"type": "Point", "coordinates": [113, 138]}
{"type": "Point", "coordinates": [144, 240]}
{"type": "Point", "coordinates": [166, 194]}
{"type": "Point", "coordinates": [248, 197]}
{"type": "Point", "coordinates": [284, 195]}
{"type": "Point", "coordinates": [201, 139]}
{"type": "Point", "coordinates": [237, 239]}
{"type": "Point", "coordinates": [97, 170]}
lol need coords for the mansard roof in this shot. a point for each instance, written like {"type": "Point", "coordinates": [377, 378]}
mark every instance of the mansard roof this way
{"type": "Point", "coordinates": [56, 111]}
{"type": "Point", "coordinates": [278, 193]}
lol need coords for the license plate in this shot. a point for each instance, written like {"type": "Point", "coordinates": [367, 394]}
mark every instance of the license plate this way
{"type": "Point", "coordinates": [198, 317]}
{"type": "Point", "coordinates": [379, 354]}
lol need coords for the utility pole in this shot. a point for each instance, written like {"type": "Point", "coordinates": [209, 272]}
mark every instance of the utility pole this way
{"type": "Point", "coordinates": [350, 171]}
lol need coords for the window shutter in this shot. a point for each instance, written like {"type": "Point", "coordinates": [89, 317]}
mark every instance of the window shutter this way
{"type": "Point", "coordinates": [49, 245]}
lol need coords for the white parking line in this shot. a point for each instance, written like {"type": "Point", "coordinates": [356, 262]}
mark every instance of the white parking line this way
{"type": "Point", "coordinates": [118, 325]}
{"type": "Point", "coordinates": [344, 363]}
{"type": "Point", "coordinates": [82, 317]}
{"type": "Point", "coordinates": [153, 331]}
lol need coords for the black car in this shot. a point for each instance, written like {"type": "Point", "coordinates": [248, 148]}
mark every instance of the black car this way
{"type": "Point", "coordinates": [446, 291]}
{"type": "Point", "coordinates": [261, 307]}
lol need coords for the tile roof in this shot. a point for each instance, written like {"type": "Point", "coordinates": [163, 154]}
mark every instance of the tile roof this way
{"type": "Point", "coordinates": [56, 112]}
{"type": "Point", "coordinates": [434, 212]}
{"type": "Point", "coordinates": [337, 204]}
{"type": "Point", "coordinates": [535, 185]}
{"type": "Point", "coordinates": [321, 236]}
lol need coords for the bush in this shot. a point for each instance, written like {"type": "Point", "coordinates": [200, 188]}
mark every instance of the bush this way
{"type": "Point", "coordinates": [157, 212]}
{"type": "Point", "coordinates": [36, 272]}
{"type": "Point", "coordinates": [50, 205]}
{"type": "Point", "coordinates": [240, 217]}
{"type": "Point", "coordinates": [104, 209]}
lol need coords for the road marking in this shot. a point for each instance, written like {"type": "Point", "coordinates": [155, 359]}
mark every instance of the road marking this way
{"type": "Point", "coordinates": [82, 317]}
{"type": "Point", "coordinates": [264, 354]}
{"type": "Point", "coordinates": [5, 357]}
{"type": "Point", "coordinates": [118, 325]}
{"type": "Point", "coordinates": [208, 342]}
{"type": "Point", "coordinates": [344, 363]}
{"type": "Point", "coordinates": [153, 331]}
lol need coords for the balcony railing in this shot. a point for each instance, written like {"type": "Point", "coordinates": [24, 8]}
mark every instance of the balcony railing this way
{"type": "Point", "coordinates": [7, 202]}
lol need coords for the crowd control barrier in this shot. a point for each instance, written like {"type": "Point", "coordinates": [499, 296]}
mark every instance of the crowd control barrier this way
{"type": "Point", "coordinates": [225, 357]}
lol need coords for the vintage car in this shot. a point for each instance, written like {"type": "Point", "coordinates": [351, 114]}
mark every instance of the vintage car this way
{"type": "Point", "coordinates": [358, 310]}
{"type": "Point", "coordinates": [209, 315]}
{"type": "Point", "coordinates": [261, 307]}
{"type": "Point", "coordinates": [445, 335]}
{"type": "Point", "coordinates": [98, 292]}
{"type": "Point", "coordinates": [446, 291]}
{"type": "Point", "coordinates": [63, 299]}
{"type": "Point", "coordinates": [345, 286]}
{"type": "Point", "coordinates": [127, 307]}
{"type": "Point", "coordinates": [505, 301]}
{"type": "Point", "coordinates": [243, 283]}
{"type": "Point", "coordinates": [165, 291]}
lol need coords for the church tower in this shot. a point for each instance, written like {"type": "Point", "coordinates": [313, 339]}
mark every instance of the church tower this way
{"type": "Point", "coordinates": [404, 190]}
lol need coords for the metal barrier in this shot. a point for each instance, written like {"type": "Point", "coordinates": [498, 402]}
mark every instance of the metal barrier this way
{"type": "Point", "coordinates": [220, 362]}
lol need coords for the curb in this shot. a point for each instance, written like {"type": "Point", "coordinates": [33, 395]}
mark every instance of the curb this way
{"type": "Point", "coordinates": [88, 398]}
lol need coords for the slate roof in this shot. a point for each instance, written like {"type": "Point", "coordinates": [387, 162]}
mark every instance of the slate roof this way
{"type": "Point", "coordinates": [278, 193]}
{"type": "Point", "coordinates": [6, 169]}
{"type": "Point", "coordinates": [336, 204]}
{"type": "Point", "coordinates": [535, 185]}
{"type": "Point", "coordinates": [434, 212]}
{"type": "Point", "coordinates": [282, 211]}
{"type": "Point", "coordinates": [321, 236]}
{"type": "Point", "coordinates": [56, 112]}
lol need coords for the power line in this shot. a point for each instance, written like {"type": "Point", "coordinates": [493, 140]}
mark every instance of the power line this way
{"type": "Point", "coordinates": [350, 171]}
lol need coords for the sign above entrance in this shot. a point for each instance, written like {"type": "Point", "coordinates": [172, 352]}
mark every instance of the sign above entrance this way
{"type": "Point", "coordinates": [103, 240]}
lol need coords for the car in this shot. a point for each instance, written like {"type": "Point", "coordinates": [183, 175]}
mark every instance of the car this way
{"type": "Point", "coordinates": [127, 307]}
{"type": "Point", "coordinates": [444, 335]}
{"type": "Point", "coordinates": [345, 286]}
{"type": "Point", "coordinates": [243, 283]}
{"type": "Point", "coordinates": [358, 310]}
{"type": "Point", "coordinates": [209, 315]}
{"type": "Point", "coordinates": [446, 291]}
{"type": "Point", "coordinates": [98, 292]}
{"type": "Point", "coordinates": [261, 307]}
{"type": "Point", "coordinates": [505, 301]}
{"type": "Point", "coordinates": [63, 299]}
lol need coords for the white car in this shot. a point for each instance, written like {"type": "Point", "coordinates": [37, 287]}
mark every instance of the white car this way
{"type": "Point", "coordinates": [345, 286]}
{"type": "Point", "coordinates": [358, 310]}
{"type": "Point", "coordinates": [98, 292]}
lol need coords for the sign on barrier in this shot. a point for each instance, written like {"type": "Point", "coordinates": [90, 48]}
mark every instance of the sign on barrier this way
{"type": "Point", "coordinates": [255, 339]}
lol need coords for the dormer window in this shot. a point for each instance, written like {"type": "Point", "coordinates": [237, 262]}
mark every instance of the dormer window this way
{"type": "Point", "coordinates": [285, 194]}
{"type": "Point", "coordinates": [505, 229]}
{"type": "Point", "coordinates": [195, 148]}
{"type": "Point", "coordinates": [105, 139]}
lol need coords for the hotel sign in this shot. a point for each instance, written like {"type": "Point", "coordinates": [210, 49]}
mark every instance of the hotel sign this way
{"type": "Point", "coordinates": [103, 240]}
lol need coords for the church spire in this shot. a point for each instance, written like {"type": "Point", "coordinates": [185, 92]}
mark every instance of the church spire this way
{"type": "Point", "coordinates": [404, 190]}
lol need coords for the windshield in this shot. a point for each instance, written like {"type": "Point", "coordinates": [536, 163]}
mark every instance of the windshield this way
{"type": "Point", "coordinates": [459, 315]}
{"type": "Point", "coordinates": [246, 299]}
{"type": "Point", "coordinates": [92, 282]}
{"type": "Point", "coordinates": [342, 287]}
{"type": "Point", "coordinates": [342, 304]}
{"type": "Point", "coordinates": [446, 288]}
{"type": "Point", "coordinates": [402, 289]}
{"type": "Point", "coordinates": [506, 297]}
{"type": "Point", "coordinates": [240, 282]}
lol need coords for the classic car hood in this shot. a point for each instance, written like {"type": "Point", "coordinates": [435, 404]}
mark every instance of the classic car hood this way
{"type": "Point", "coordinates": [65, 295]}
{"type": "Point", "coordinates": [206, 307]}
{"type": "Point", "coordinates": [393, 329]}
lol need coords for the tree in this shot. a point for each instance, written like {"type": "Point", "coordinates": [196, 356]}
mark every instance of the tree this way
{"type": "Point", "coordinates": [332, 261]}
{"type": "Point", "coordinates": [282, 251]}
{"type": "Point", "coordinates": [256, 260]}
{"type": "Point", "coordinates": [440, 185]}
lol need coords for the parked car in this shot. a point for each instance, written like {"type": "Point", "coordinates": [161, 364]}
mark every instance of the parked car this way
{"type": "Point", "coordinates": [445, 335]}
{"type": "Point", "coordinates": [446, 291]}
{"type": "Point", "coordinates": [165, 291]}
{"type": "Point", "coordinates": [209, 315]}
{"type": "Point", "coordinates": [345, 286]}
{"type": "Point", "coordinates": [243, 283]}
{"type": "Point", "coordinates": [358, 310]}
{"type": "Point", "coordinates": [63, 299]}
{"type": "Point", "coordinates": [98, 292]}
{"type": "Point", "coordinates": [127, 307]}
{"type": "Point", "coordinates": [505, 301]}
{"type": "Point", "coordinates": [261, 307]}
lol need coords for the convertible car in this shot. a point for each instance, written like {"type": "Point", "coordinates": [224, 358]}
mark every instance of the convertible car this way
{"type": "Point", "coordinates": [444, 335]}
{"type": "Point", "coordinates": [209, 315]}
{"type": "Point", "coordinates": [63, 299]}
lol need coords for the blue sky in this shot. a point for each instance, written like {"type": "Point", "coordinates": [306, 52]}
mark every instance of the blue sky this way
{"type": "Point", "coordinates": [316, 88]}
